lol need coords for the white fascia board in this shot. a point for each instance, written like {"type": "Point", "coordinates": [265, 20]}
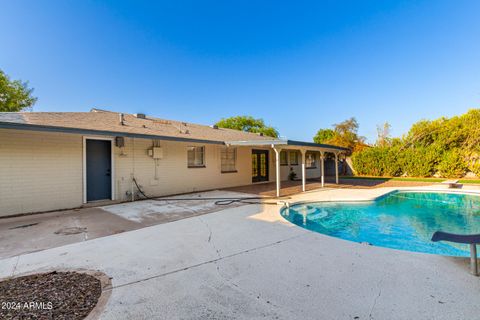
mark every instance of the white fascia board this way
{"type": "Point", "coordinates": [256, 143]}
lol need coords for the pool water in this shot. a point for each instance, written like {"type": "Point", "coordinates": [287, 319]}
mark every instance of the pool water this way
{"type": "Point", "coordinates": [399, 220]}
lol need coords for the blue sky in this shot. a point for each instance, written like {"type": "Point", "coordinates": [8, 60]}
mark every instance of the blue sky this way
{"type": "Point", "coordinates": [299, 65]}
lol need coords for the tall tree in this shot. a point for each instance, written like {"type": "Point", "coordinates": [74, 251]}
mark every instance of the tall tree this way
{"type": "Point", "coordinates": [248, 124]}
{"type": "Point", "coordinates": [383, 134]}
{"type": "Point", "coordinates": [344, 134]}
{"type": "Point", "coordinates": [15, 95]}
{"type": "Point", "coordinates": [324, 136]}
{"type": "Point", "coordinates": [347, 135]}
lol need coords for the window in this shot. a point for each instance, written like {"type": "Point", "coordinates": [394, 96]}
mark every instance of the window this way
{"type": "Point", "coordinates": [196, 157]}
{"type": "Point", "coordinates": [310, 160]}
{"type": "Point", "coordinates": [229, 160]}
{"type": "Point", "coordinates": [293, 158]}
{"type": "Point", "coordinates": [283, 158]}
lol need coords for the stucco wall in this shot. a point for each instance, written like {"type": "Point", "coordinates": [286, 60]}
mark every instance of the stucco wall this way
{"type": "Point", "coordinates": [44, 171]}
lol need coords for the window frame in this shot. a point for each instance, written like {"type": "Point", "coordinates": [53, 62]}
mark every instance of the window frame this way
{"type": "Point", "coordinates": [296, 162]}
{"type": "Point", "coordinates": [193, 148]}
{"type": "Point", "coordinates": [225, 150]}
{"type": "Point", "coordinates": [284, 152]}
{"type": "Point", "coordinates": [314, 155]}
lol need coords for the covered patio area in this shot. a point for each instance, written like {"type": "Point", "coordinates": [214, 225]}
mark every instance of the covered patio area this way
{"type": "Point", "coordinates": [290, 188]}
{"type": "Point", "coordinates": [310, 156]}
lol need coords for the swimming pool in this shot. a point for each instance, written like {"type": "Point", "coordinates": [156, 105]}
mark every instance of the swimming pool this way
{"type": "Point", "coordinates": [402, 220]}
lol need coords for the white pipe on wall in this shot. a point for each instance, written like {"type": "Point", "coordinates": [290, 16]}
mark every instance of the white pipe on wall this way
{"type": "Point", "coordinates": [322, 166]}
{"type": "Point", "coordinates": [303, 152]}
{"type": "Point", "coordinates": [277, 169]}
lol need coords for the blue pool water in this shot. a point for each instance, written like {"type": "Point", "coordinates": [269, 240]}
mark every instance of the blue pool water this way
{"type": "Point", "coordinates": [400, 220]}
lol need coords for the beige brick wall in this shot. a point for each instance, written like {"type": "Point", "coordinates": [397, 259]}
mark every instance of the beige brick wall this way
{"type": "Point", "coordinates": [173, 174]}
{"type": "Point", "coordinates": [44, 171]}
{"type": "Point", "coordinates": [39, 171]}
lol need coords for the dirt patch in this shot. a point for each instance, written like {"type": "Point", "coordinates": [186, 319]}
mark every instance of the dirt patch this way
{"type": "Point", "coordinates": [53, 295]}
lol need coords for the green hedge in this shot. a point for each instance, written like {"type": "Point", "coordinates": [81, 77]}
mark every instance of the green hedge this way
{"type": "Point", "coordinates": [378, 161]}
{"type": "Point", "coordinates": [443, 147]}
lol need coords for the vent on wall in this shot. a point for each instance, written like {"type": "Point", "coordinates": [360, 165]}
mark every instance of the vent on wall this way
{"type": "Point", "coordinates": [120, 142]}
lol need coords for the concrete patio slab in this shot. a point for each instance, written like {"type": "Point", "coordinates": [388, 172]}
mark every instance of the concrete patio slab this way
{"type": "Point", "coordinates": [19, 235]}
{"type": "Point", "coordinates": [248, 262]}
{"type": "Point", "coordinates": [30, 233]}
{"type": "Point", "coordinates": [154, 211]}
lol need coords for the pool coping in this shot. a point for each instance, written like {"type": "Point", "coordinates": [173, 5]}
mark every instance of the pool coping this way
{"type": "Point", "coordinates": [287, 204]}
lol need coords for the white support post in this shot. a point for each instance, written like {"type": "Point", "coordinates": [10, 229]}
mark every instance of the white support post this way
{"type": "Point", "coordinates": [303, 169]}
{"type": "Point", "coordinates": [336, 168]}
{"type": "Point", "coordinates": [322, 167]}
{"type": "Point", "coordinates": [277, 169]}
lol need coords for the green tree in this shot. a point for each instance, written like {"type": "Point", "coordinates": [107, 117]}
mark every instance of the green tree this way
{"type": "Point", "coordinates": [248, 124]}
{"type": "Point", "coordinates": [15, 95]}
{"type": "Point", "coordinates": [324, 136]}
{"type": "Point", "coordinates": [344, 134]}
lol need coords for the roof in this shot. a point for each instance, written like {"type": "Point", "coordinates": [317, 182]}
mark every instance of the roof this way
{"type": "Point", "coordinates": [102, 122]}
{"type": "Point", "coordinates": [284, 142]}
{"type": "Point", "coordinates": [108, 123]}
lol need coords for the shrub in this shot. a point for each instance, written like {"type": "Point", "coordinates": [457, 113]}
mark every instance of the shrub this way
{"type": "Point", "coordinates": [366, 162]}
{"type": "Point", "coordinates": [377, 161]}
{"type": "Point", "coordinates": [392, 162]}
{"type": "Point", "coordinates": [449, 146]}
{"type": "Point", "coordinates": [452, 164]}
{"type": "Point", "coordinates": [419, 162]}
{"type": "Point", "coordinates": [475, 168]}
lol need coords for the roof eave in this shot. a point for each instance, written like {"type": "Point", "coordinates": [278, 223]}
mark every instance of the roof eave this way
{"type": "Point", "coordinates": [282, 142]}
{"type": "Point", "coordinates": [256, 142]}
{"type": "Point", "coordinates": [43, 128]}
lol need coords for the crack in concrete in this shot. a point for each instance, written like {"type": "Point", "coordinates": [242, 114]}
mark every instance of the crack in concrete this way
{"type": "Point", "coordinates": [207, 262]}
{"type": "Point", "coordinates": [252, 295]}
{"type": "Point", "coordinates": [15, 267]}
{"type": "Point", "coordinates": [210, 234]}
{"type": "Point", "coordinates": [374, 304]}
{"type": "Point", "coordinates": [225, 278]}
{"type": "Point", "coordinates": [379, 285]}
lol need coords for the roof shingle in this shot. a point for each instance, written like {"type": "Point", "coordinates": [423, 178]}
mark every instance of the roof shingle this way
{"type": "Point", "coordinates": [99, 120]}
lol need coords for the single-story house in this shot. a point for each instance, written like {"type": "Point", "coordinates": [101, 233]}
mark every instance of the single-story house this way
{"type": "Point", "coordinates": [60, 160]}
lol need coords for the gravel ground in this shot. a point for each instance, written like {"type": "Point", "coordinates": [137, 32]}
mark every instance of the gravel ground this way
{"type": "Point", "coordinates": [54, 295]}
